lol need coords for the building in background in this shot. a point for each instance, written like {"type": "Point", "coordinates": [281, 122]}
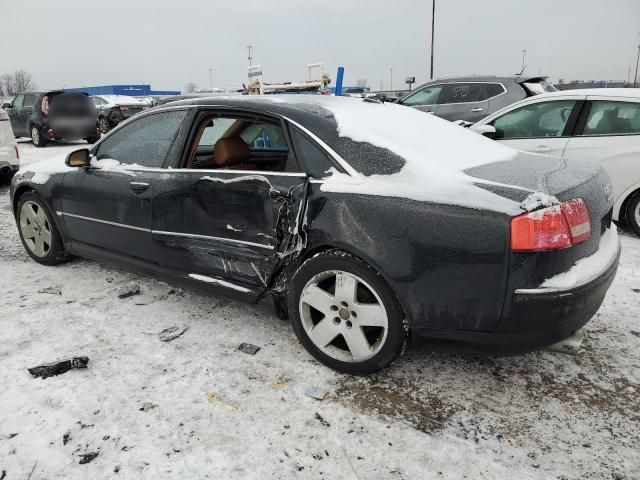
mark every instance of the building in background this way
{"type": "Point", "coordinates": [131, 90]}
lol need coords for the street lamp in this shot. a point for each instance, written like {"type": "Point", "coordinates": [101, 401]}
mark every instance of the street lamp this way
{"type": "Point", "coordinates": [249, 47]}
{"type": "Point", "coordinates": [524, 54]}
{"type": "Point", "coordinates": [635, 79]}
{"type": "Point", "coordinates": [211, 78]}
{"type": "Point", "coordinates": [433, 24]}
{"type": "Point", "coordinates": [391, 79]}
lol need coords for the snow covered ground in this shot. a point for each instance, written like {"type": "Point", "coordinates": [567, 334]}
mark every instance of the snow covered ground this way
{"type": "Point", "coordinates": [197, 407]}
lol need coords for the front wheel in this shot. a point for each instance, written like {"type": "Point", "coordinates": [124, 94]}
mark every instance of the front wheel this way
{"type": "Point", "coordinates": [38, 233]}
{"type": "Point", "coordinates": [633, 213]}
{"type": "Point", "coordinates": [345, 314]}
{"type": "Point", "coordinates": [37, 138]}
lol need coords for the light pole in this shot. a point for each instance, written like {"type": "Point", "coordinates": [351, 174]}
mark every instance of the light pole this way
{"type": "Point", "coordinates": [433, 24]}
{"type": "Point", "coordinates": [524, 54]}
{"type": "Point", "coordinates": [635, 79]}
{"type": "Point", "coordinates": [391, 78]}
{"type": "Point", "coordinates": [249, 47]}
{"type": "Point", "coordinates": [211, 78]}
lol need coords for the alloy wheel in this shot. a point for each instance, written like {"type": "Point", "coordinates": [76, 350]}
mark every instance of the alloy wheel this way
{"type": "Point", "coordinates": [343, 316]}
{"type": "Point", "coordinates": [35, 135]}
{"type": "Point", "coordinates": [35, 229]}
{"type": "Point", "coordinates": [104, 125]}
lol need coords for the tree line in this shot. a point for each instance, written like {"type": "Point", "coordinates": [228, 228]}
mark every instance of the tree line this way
{"type": "Point", "coordinates": [16, 82]}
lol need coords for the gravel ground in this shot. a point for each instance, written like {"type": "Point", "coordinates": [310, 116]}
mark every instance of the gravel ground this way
{"type": "Point", "coordinates": [196, 407]}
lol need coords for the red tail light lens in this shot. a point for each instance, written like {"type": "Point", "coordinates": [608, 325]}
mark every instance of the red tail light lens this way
{"type": "Point", "coordinates": [551, 228]}
{"type": "Point", "coordinates": [17, 153]}
{"type": "Point", "coordinates": [45, 106]}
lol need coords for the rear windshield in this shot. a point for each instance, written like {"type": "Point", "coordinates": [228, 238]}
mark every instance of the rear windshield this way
{"type": "Point", "coordinates": [539, 87]}
{"type": "Point", "coordinates": [71, 104]}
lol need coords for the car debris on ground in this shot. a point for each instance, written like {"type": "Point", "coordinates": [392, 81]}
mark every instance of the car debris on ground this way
{"type": "Point", "coordinates": [128, 290]}
{"type": "Point", "coordinates": [58, 368]}
{"type": "Point", "coordinates": [171, 333]}
{"type": "Point", "coordinates": [317, 393]}
{"type": "Point", "coordinates": [248, 348]}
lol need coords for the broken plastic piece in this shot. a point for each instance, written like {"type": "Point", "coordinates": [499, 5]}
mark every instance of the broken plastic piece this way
{"type": "Point", "coordinates": [58, 368]}
{"type": "Point", "coordinates": [172, 333]}
{"type": "Point", "coordinates": [317, 393]}
{"type": "Point", "coordinates": [248, 348]}
{"type": "Point", "coordinates": [129, 290]}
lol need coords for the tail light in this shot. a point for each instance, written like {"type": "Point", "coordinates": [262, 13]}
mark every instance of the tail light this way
{"type": "Point", "coordinates": [551, 228]}
{"type": "Point", "coordinates": [45, 106]}
{"type": "Point", "coordinates": [17, 152]}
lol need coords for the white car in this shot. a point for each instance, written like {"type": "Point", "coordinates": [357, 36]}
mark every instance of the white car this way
{"type": "Point", "coordinates": [9, 155]}
{"type": "Point", "coordinates": [591, 124]}
{"type": "Point", "coordinates": [113, 109]}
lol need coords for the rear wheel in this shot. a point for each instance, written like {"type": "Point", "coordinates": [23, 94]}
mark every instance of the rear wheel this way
{"type": "Point", "coordinates": [633, 213]}
{"type": "Point", "coordinates": [346, 315]}
{"type": "Point", "coordinates": [38, 233]}
{"type": "Point", "coordinates": [37, 138]}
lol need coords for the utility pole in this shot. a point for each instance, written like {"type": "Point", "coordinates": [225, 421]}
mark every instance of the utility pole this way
{"type": "Point", "coordinates": [433, 24]}
{"type": "Point", "coordinates": [391, 79]}
{"type": "Point", "coordinates": [211, 78]}
{"type": "Point", "coordinates": [249, 47]}
{"type": "Point", "coordinates": [635, 79]}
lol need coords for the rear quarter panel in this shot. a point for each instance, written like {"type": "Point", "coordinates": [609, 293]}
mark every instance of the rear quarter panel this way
{"type": "Point", "coordinates": [447, 265]}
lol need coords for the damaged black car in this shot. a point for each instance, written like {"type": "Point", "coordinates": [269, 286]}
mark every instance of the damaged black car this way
{"type": "Point", "coordinates": [368, 225]}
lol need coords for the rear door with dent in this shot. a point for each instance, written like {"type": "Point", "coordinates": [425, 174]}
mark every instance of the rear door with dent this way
{"type": "Point", "coordinates": [230, 226]}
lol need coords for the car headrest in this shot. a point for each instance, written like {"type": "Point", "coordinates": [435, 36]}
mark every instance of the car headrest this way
{"type": "Point", "coordinates": [230, 152]}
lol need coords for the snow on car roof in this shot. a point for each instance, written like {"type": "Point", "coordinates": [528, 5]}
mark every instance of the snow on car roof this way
{"type": "Point", "coordinates": [600, 92]}
{"type": "Point", "coordinates": [120, 99]}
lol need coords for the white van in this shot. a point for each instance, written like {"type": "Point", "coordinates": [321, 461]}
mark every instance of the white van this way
{"type": "Point", "coordinates": [9, 156]}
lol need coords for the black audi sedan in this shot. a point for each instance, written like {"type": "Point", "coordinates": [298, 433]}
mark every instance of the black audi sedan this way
{"type": "Point", "coordinates": [366, 224]}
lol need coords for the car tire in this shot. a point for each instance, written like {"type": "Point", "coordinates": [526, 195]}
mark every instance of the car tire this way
{"type": "Point", "coordinates": [103, 125]}
{"type": "Point", "coordinates": [38, 232]}
{"type": "Point", "coordinates": [633, 213]}
{"type": "Point", "coordinates": [360, 326]}
{"type": "Point", "coordinates": [37, 138]}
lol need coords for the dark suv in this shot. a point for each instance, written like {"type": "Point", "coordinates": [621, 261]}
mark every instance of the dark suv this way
{"type": "Point", "coordinates": [473, 98]}
{"type": "Point", "coordinates": [53, 115]}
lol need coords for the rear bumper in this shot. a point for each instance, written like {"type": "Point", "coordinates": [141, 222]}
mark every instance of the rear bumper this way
{"type": "Point", "coordinates": [539, 317]}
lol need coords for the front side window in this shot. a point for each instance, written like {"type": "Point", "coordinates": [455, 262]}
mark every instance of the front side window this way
{"type": "Point", "coordinates": [18, 101]}
{"type": "Point", "coordinates": [612, 118]}
{"type": "Point", "coordinates": [544, 119]}
{"type": "Point", "coordinates": [145, 141]}
{"type": "Point", "coordinates": [464, 93]}
{"type": "Point", "coordinates": [426, 96]}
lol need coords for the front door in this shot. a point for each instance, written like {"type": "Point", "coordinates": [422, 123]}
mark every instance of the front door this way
{"type": "Point", "coordinates": [230, 216]}
{"type": "Point", "coordinates": [107, 206]}
{"type": "Point", "coordinates": [19, 115]}
{"type": "Point", "coordinates": [424, 99]}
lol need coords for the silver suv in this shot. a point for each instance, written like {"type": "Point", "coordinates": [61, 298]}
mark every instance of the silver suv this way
{"type": "Point", "coordinates": [473, 98]}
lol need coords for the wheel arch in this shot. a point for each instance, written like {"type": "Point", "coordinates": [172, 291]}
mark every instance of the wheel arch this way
{"type": "Point", "coordinates": [620, 207]}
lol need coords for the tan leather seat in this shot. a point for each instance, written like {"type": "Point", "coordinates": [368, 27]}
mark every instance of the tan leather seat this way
{"type": "Point", "coordinates": [231, 152]}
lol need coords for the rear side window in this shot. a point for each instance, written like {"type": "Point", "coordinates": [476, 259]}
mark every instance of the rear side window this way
{"type": "Point", "coordinates": [612, 118]}
{"type": "Point", "coordinates": [145, 141]}
{"type": "Point", "coordinates": [494, 89]}
{"type": "Point", "coordinates": [315, 159]}
{"type": "Point", "coordinates": [464, 93]}
{"type": "Point", "coordinates": [29, 100]}
{"type": "Point", "coordinates": [426, 96]}
{"type": "Point", "coordinates": [544, 119]}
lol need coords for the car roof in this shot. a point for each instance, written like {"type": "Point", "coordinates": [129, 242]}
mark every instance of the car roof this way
{"type": "Point", "coordinates": [490, 78]}
{"type": "Point", "coordinates": [601, 92]}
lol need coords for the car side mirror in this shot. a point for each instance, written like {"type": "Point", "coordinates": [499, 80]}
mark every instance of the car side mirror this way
{"type": "Point", "coordinates": [488, 131]}
{"type": "Point", "coordinates": [78, 158]}
{"type": "Point", "coordinates": [6, 105]}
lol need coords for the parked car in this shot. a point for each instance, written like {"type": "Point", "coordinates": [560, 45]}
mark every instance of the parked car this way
{"type": "Point", "coordinates": [592, 124]}
{"type": "Point", "coordinates": [53, 115]}
{"type": "Point", "coordinates": [112, 109]}
{"type": "Point", "coordinates": [473, 98]}
{"type": "Point", "coordinates": [9, 154]}
{"type": "Point", "coordinates": [363, 240]}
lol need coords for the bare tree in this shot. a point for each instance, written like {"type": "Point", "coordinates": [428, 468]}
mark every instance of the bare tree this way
{"type": "Point", "coordinates": [190, 87]}
{"type": "Point", "coordinates": [18, 81]}
{"type": "Point", "coordinates": [362, 82]}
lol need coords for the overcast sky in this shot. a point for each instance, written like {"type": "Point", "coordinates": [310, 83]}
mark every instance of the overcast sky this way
{"type": "Point", "coordinates": [169, 43]}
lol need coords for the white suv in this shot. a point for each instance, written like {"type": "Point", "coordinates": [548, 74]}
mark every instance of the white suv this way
{"type": "Point", "coordinates": [594, 124]}
{"type": "Point", "coordinates": [9, 156]}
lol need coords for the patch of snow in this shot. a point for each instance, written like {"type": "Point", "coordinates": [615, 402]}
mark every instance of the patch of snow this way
{"type": "Point", "coordinates": [232, 228]}
{"type": "Point", "coordinates": [43, 169]}
{"type": "Point", "coordinates": [217, 281]}
{"type": "Point", "coordinates": [243, 178]}
{"type": "Point", "coordinates": [588, 268]}
{"type": "Point", "coordinates": [538, 200]}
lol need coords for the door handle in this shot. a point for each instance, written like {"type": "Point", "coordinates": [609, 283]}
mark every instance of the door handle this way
{"type": "Point", "coordinates": [139, 186]}
{"type": "Point", "coordinates": [542, 149]}
{"type": "Point", "coordinates": [477, 109]}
